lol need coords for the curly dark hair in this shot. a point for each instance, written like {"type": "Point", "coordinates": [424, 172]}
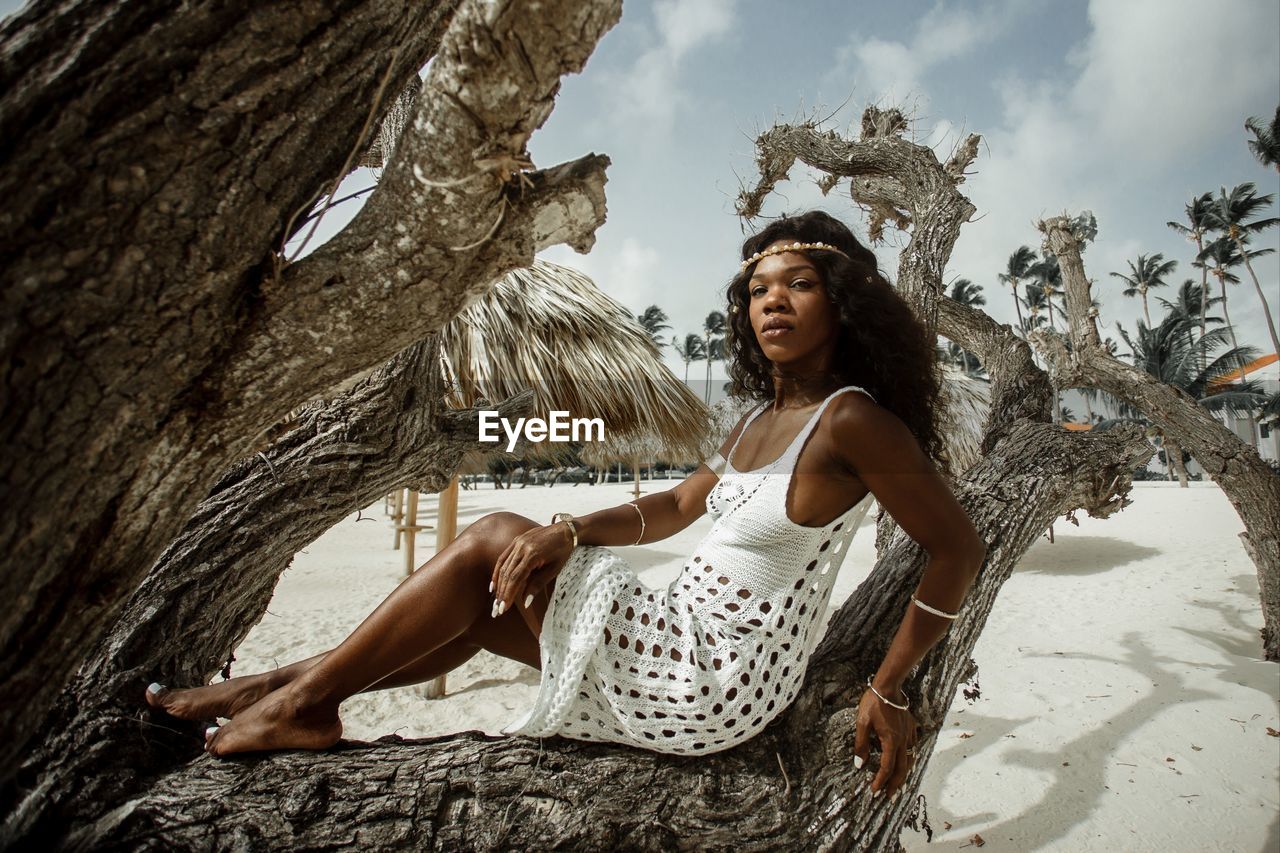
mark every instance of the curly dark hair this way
{"type": "Point", "coordinates": [882, 347]}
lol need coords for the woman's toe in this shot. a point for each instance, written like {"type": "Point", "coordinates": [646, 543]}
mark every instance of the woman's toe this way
{"type": "Point", "coordinates": [155, 693]}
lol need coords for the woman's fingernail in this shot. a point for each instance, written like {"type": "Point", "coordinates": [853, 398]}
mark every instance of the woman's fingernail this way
{"type": "Point", "coordinates": [210, 732]}
{"type": "Point", "coordinates": [502, 607]}
{"type": "Point", "coordinates": [493, 611]}
{"type": "Point", "coordinates": [155, 688]}
{"type": "Point", "coordinates": [857, 762]}
{"type": "Point", "coordinates": [490, 586]}
{"type": "Point", "coordinates": [528, 599]}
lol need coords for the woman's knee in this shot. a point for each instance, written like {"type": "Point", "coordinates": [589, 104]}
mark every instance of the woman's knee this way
{"type": "Point", "coordinates": [491, 534]}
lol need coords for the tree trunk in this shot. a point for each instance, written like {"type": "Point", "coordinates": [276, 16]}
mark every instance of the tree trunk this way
{"type": "Point", "coordinates": [1246, 480]}
{"type": "Point", "coordinates": [1204, 293]}
{"type": "Point", "coordinates": [154, 330]}
{"type": "Point", "coordinates": [91, 784]}
{"type": "Point", "coordinates": [388, 432]}
{"type": "Point", "coordinates": [1262, 297]}
{"type": "Point", "coordinates": [108, 782]}
{"type": "Point", "coordinates": [1174, 454]}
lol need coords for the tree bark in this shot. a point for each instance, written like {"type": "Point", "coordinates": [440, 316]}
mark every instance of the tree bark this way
{"type": "Point", "coordinates": [475, 792]}
{"type": "Point", "coordinates": [792, 787]}
{"type": "Point", "coordinates": [153, 331]}
{"type": "Point", "coordinates": [1173, 453]}
{"type": "Point", "coordinates": [1246, 480]}
{"type": "Point", "coordinates": [389, 432]}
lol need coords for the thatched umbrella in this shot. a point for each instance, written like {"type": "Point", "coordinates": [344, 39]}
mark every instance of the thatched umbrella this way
{"type": "Point", "coordinates": [965, 404]}
{"type": "Point", "coordinates": [550, 329]}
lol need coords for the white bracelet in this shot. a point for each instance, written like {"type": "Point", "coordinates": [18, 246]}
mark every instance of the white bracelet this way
{"type": "Point", "coordinates": [935, 611]}
{"type": "Point", "coordinates": [641, 536]}
{"type": "Point", "coordinates": [886, 701]}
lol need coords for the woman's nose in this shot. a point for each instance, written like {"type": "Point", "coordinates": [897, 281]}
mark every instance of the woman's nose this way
{"type": "Point", "coordinates": [776, 299]}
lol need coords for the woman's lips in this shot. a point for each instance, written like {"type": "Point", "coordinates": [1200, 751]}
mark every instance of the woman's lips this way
{"type": "Point", "coordinates": [776, 332]}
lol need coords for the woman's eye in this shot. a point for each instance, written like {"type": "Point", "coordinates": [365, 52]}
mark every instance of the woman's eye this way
{"type": "Point", "coordinates": [757, 291]}
{"type": "Point", "coordinates": [801, 282]}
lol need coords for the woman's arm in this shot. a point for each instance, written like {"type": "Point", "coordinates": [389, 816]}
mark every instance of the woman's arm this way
{"type": "Point", "coordinates": [665, 514]}
{"type": "Point", "coordinates": [877, 446]}
{"type": "Point", "coordinates": [537, 555]}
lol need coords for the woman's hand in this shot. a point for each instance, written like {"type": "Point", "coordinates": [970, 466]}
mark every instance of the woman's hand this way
{"type": "Point", "coordinates": [897, 732]}
{"type": "Point", "coordinates": [531, 560]}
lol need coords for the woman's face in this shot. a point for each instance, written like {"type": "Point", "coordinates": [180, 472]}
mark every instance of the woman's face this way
{"type": "Point", "coordinates": [793, 318]}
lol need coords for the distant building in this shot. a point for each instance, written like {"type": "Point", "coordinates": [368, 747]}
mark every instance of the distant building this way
{"type": "Point", "coordinates": [1266, 372]}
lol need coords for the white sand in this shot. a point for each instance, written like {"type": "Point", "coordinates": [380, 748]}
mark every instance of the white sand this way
{"type": "Point", "coordinates": [1125, 703]}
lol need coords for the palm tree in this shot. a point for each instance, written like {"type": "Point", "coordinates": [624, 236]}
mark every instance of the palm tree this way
{"type": "Point", "coordinates": [1220, 257]}
{"type": "Point", "coordinates": [1089, 395]}
{"type": "Point", "coordinates": [1231, 215]}
{"type": "Point", "coordinates": [1037, 305]}
{"type": "Point", "coordinates": [1266, 142]}
{"type": "Point", "coordinates": [1197, 212]}
{"type": "Point", "coordinates": [689, 350]}
{"type": "Point", "coordinates": [1191, 305]}
{"type": "Point", "coordinates": [1147, 273]}
{"type": "Point", "coordinates": [1164, 353]}
{"type": "Point", "coordinates": [1018, 268]}
{"type": "Point", "coordinates": [713, 343]}
{"type": "Point", "coordinates": [969, 294]}
{"type": "Point", "coordinates": [654, 321]}
{"type": "Point", "coordinates": [1048, 277]}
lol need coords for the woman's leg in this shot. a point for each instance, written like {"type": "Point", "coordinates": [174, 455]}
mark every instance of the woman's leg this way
{"type": "Point", "coordinates": [508, 636]}
{"type": "Point", "coordinates": [441, 605]}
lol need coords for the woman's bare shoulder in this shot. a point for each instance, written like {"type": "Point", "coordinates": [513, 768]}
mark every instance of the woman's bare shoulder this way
{"type": "Point", "coordinates": [863, 430]}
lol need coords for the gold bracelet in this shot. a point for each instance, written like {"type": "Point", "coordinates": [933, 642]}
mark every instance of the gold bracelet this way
{"type": "Point", "coordinates": [641, 536]}
{"type": "Point", "coordinates": [568, 520]}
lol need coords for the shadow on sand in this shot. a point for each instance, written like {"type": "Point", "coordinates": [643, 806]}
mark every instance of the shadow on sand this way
{"type": "Point", "coordinates": [1081, 555]}
{"type": "Point", "coordinates": [1079, 785]}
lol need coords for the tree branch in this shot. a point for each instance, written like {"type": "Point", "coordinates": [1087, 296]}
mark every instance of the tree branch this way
{"type": "Point", "coordinates": [470, 791]}
{"type": "Point", "coordinates": [896, 180]}
{"type": "Point", "coordinates": [1247, 481]}
{"type": "Point", "coordinates": [387, 432]}
{"type": "Point", "coordinates": [323, 306]}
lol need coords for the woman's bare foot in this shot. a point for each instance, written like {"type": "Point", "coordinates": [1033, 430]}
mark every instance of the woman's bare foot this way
{"type": "Point", "coordinates": [224, 699]}
{"type": "Point", "coordinates": [281, 720]}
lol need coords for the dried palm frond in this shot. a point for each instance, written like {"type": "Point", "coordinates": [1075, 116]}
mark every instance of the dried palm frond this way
{"type": "Point", "coordinates": [965, 402]}
{"type": "Point", "coordinates": [548, 328]}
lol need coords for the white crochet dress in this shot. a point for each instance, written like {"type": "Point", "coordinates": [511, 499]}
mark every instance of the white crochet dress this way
{"type": "Point", "coordinates": [707, 662]}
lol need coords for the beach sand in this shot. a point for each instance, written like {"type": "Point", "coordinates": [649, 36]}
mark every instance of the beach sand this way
{"type": "Point", "coordinates": [1124, 701]}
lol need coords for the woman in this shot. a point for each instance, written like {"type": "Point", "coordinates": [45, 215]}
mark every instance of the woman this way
{"type": "Point", "coordinates": [846, 377]}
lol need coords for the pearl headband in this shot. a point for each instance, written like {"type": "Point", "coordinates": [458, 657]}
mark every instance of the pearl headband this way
{"type": "Point", "coordinates": [793, 247]}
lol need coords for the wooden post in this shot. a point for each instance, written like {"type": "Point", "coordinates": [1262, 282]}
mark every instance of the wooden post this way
{"type": "Point", "coordinates": [635, 463]}
{"type": "Point", "coordinates": [447, 516]}
{"type": "Point", "coordinates": [446, 532]}
{"type": "Point", "coordinates": [410, 527]}
{"type": "Point", "coordinates": [397, 516]}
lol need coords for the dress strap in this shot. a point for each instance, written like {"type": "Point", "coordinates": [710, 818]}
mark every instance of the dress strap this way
{"type": "Point", "coordinates": [797, 443]}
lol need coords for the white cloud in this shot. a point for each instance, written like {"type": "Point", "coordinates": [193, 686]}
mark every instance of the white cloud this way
{"type": "Point", "coordinates": [893, 70]}
{"type": "Point", "coordinates": [1159, 79]}
{"type": "Point", "coordinates": [1156, 84]}
{"type": "Point", "coordinates": [628, 270]}
{"type": "Point", "coordinates": [650, 90]}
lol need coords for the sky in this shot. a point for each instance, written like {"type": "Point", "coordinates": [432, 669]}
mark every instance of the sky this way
{"type": "Point", "coordinates": [1127, 109]}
